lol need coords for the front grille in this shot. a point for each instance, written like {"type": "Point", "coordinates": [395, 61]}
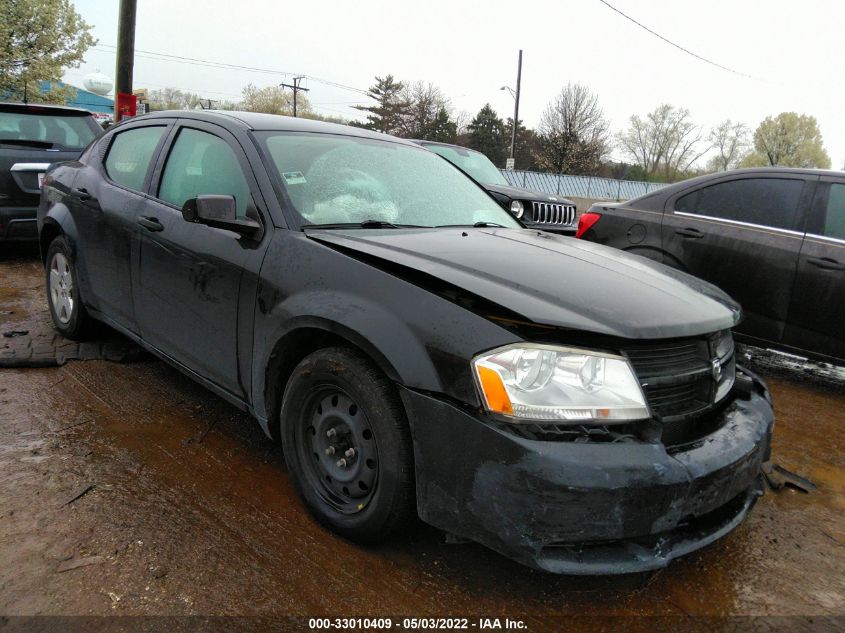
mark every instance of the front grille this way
{"type": "Point", "coordinates": [678, 376]}
{"type": "Point", "coordinates": [552, 213]}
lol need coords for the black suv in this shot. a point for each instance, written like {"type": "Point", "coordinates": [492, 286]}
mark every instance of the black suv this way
{"type": "Point", "coordinates": [536, 209]}
{"type": "Point", "coordinates": [774, 239]}
{"type": "Point", "coordinates": [379, 313]}
{"type": "Point", "coordinates": [31, 138]}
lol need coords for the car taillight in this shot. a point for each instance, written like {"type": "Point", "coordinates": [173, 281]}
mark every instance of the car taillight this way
{"type": "Point", "coordinates": [586, 222]}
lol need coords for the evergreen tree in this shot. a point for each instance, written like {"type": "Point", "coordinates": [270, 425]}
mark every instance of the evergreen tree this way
{"type": "Point", "coordinates": [386, 115]}
{"type": "Point", "coordinates": [487, 135]}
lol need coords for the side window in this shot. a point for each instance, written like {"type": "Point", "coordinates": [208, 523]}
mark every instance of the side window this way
{"type": "Point", "coordinates": [764, 201]}
{"type": "Point", "coordinates": [834, 222]}
{"type": "Point", "coordinates": [129, 155]}
{"type": "Point", "coordinates": [201, 163]}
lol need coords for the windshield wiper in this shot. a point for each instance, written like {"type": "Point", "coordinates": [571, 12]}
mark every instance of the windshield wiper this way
{"type": "Point", "coordinates": [477, 225]}
{"type": "Point", "coordinates": [366, 224]}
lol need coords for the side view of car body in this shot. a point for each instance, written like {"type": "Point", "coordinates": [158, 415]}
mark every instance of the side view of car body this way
{"type": "Point", "coordinates": [773, 239]}
{"type": "Point", "coordinates": [536, 209]}
{"type": "Point", "coordinates": [31, 138]}
{"type": "Point", "coordinates": [380, 314]}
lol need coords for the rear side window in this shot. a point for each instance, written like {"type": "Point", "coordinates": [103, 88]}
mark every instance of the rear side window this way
{"type": "Point", "coordinates": [201, 163]}
{"type": "Point", "coordinates": [43, 128]}
{"type": "Point", "coordinates": [129, 155]}
{"type": "Point", "coordinates": [834, 222]}
{"type": "Point", "coordinates": [763, 201]}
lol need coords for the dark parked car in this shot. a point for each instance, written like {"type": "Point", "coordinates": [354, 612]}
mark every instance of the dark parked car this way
{"type": "Point", "coordinates": [379, 313]}
{"type": "Point", "coordinates": [773, 239]}
{"type": "Point", "coordinates": [32, 137]}
{"type": "Point", "coordinates": [536, 209]}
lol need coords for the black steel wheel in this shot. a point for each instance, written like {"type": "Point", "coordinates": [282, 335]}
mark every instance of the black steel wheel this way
{"type": "Point", "coordinates": [347, 444]}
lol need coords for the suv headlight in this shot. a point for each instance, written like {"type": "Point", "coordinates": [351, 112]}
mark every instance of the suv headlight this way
{"type": "Point", "coordinates": [517, 208]}
{"type": "Point", "coordinates": [529, 382]}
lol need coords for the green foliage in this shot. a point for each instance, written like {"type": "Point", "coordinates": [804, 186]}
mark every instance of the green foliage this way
{"type": "Point", "coordinates": [487, 135]}
{"type": "Point", "coordinates": [39, 39]}
{"type": "Point", "coordinates": [527, 149]}
{"type": "Point", "coordinates": [788, 140]}
{"type": "Point", "coordinates": [386, 115]}
{"type": "Point", "coordinates": [441, 129]}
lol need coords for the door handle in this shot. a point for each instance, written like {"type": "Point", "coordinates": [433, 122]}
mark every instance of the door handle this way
{"type": "Point", "coordinates": [82, 194]}
{"type": "Point", "coordinates": [151, 224]}
{"type": "Point", "coordinates": [694, 234]}
{"type": "Point", "coordinates": [826, 263]}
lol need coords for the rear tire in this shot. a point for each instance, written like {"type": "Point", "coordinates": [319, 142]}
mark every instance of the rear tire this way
{"type": "Point", "coordinates": [347, 445]}
{"type": "Point", "coordinates": [69, 315]}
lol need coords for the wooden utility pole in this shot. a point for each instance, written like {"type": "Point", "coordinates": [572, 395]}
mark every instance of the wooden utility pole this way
{"type": "Point", "coordinates": [296, 88]}
{"type": "Point", "coordinates": [516, 104]}
{"type": "Point", "coordinates": [125, 50]}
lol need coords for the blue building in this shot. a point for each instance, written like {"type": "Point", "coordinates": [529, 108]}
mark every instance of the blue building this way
{"type": "Point", "coordinates": [85, 100]}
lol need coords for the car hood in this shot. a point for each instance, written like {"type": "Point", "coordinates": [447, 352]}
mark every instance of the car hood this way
{"type": "Point", "coordinates": [518, 193]}
{"type": "Point", "coordinates": [550, 280]}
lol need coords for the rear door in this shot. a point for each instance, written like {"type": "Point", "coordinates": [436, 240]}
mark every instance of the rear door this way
{"type": "Point", "coordinates": [743, 234]}
{"type": "Point", "coordinates": [189, 275]}
{"type": "Point", "coordinates": [104, 202]}
{"type": "Point", "coordinates": [817, 312]}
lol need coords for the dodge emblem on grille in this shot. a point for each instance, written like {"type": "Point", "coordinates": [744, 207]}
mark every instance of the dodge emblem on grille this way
{"type": "Point", "coordinates": [716, 369]}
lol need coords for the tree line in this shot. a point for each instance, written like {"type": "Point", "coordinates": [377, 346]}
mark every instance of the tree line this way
{"type": "Point", "coordinates": [574, 136]}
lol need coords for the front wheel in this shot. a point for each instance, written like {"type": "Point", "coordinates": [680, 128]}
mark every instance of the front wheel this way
{"type": "Point", "coordinates": [69, 315]}
{"type": "Point", "coordinates": [347, 445]}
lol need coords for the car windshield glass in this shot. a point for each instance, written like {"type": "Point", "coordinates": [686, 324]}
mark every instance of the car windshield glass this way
{"type": "Point", "coordinates": [474, 163]}
{"type": "Point", "coordinates": [332, 179]}
{"type": "Point", "coordinates": [63, 132]}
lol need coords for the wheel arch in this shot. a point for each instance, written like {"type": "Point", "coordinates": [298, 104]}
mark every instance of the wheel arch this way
{"type": "Point", "coordinates": [300, 339]}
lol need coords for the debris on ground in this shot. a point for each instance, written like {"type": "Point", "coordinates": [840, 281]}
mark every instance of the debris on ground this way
{"type": "Point", "coordinates": [778, 477]}
{"type": "Point", "coordinates": [79, 562]}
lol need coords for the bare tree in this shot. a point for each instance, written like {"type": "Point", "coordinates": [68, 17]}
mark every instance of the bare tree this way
{"type": "Point", "coordinates": [423, 103]}
{"type": "Point", "coordinates": [665, 142]}
{"type": "Point", "coordinates": [573, 132]}
{"type": "Point", "coordinates": [731, 142]}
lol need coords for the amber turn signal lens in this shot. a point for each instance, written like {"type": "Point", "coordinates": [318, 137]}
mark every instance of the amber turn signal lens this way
{"type": "Point", "coordinates": [494, 391]}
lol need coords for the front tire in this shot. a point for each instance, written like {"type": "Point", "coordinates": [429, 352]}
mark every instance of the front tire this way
{"type": "Point", "coordinates": [348, 446]}
{"type": "Point", "coordinates": [69, 315]}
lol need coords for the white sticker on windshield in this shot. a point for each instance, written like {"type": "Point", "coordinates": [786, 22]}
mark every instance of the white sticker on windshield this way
{"type": "Point", "coordinates": [294, 177]}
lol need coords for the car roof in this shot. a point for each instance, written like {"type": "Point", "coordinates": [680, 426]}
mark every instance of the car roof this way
{"type": "Point", "coordinates": [11, 106]}
{"type": "Point", "coordinates": [259, 121]}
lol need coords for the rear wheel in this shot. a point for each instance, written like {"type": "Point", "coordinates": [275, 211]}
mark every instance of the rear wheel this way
{"type": "Point", "coordinates": [347, 445]}
{"type": "Point", "coordinates": [69, 315]}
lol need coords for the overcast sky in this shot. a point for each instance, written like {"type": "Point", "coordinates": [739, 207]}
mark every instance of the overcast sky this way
{"type": "Point", "coordinates": [793, 50]}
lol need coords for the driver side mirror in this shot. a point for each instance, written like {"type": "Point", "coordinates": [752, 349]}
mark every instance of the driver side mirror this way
{"type": "Point", "coordinates": [219, 212]}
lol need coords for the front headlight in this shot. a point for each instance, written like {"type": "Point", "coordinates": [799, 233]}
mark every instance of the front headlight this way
{"type": "Point", "coordinates": [517, 208]}
{"type": "Point", "coordinates": [529, 382]}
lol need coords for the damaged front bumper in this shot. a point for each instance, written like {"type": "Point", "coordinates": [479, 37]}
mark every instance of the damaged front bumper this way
{"type": "Point", "coordinates": [588, 508]}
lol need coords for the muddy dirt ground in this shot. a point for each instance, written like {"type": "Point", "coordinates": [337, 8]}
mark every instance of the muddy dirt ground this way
{"type": "Point", "coordinates": [128, 490]}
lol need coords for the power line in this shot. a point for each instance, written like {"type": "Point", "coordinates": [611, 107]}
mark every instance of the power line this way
{"type": "Point", "coordinates": [296, 90]}
{"type": "Point", "coordinates": [215, 64]}
{"type": "Point", "coordinates": [678, 46]}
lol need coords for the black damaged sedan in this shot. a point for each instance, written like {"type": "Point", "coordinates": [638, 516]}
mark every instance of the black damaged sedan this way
{"type": "Point", "coordinates": [416, 350]}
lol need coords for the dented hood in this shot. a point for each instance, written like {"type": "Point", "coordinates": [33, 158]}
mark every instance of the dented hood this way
{"type": "Point", "coordinates": [550, 279]}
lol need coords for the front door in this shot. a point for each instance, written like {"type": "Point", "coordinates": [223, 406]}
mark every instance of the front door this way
{"type": "Point", "coordinates": [817, 313]}
{"type": "Point", "coordinates": [743, 235]}
{"type": "Point", "coordinates": [189, 275]}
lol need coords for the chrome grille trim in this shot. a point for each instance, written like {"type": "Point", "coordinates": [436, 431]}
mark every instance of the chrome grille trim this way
{"type": "Point", "coordinates": [553, 213]}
